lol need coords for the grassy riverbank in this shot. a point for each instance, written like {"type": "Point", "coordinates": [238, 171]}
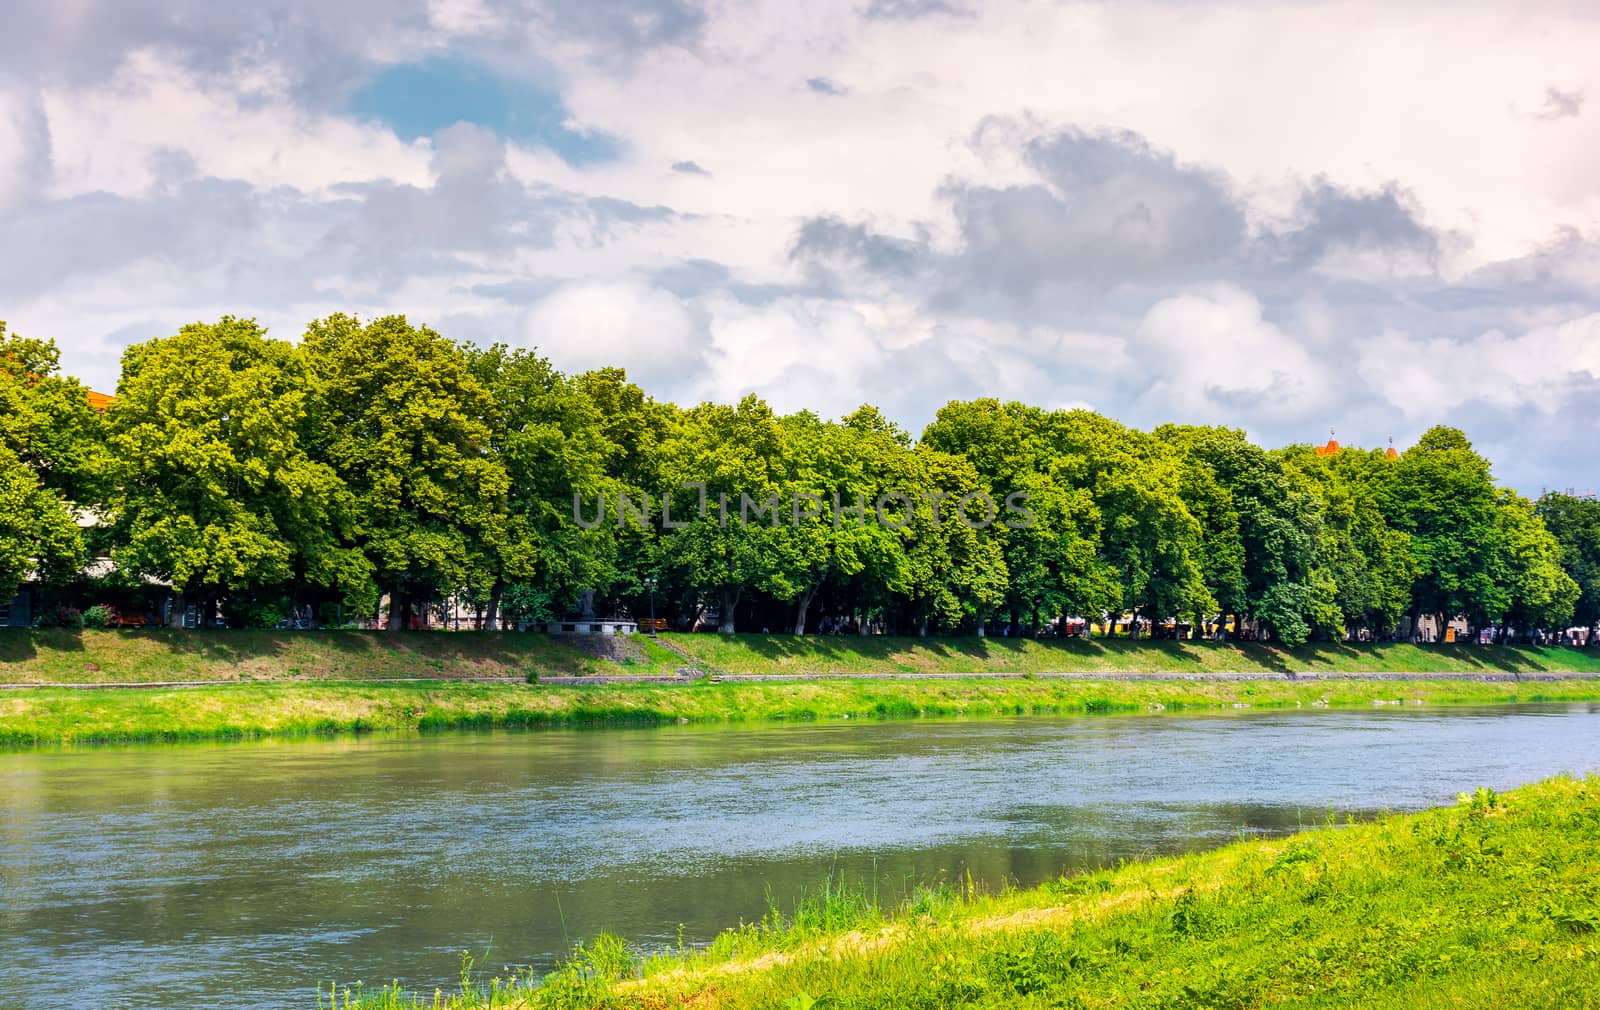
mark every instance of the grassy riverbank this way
{"type": "Point", "coordinates": [1491, 903]}
{"type": "Point", "coordinates": [51, 716]}
{"type": "Point", "coordinates": [844, 654]}
{"type": "Point", "coordinates": [154, 656]}
{"type": "Point", "coordinates": [106, 657]}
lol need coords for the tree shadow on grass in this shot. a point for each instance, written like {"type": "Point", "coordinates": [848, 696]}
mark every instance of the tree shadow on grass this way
{"type": "Point", "coordinates": [17, 645]}
{"type": "Point", "coordinates": [370, 654]}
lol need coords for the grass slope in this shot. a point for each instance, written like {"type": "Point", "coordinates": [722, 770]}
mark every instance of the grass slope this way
{"type": "Point", "coordinates": [134, 657]}
{"type": "Point", "coordinates": [844, 654]}
{"type": "Point", "coordinates": [53, 716]}
{"type": "Point", "coordinates": [1492, 903]}
{"type": "Point", "coordinates": [89, 657]}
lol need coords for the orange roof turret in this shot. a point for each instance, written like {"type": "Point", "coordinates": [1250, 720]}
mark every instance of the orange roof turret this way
{"type": "Point", "coordinates": [1332, 447]}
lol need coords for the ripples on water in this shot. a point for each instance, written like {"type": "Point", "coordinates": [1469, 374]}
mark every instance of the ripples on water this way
{"type": "Point", "coordinates": [166, 876]}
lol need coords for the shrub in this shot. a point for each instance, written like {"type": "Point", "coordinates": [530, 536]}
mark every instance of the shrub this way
{"type": "Point", "coordinates": [100, 616]}
{"type": "Point", "coordinates": [60, 616]}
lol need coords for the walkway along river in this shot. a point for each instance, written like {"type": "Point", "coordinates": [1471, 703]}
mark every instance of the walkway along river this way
{"type": "Point", "coordinates": [244, 874]}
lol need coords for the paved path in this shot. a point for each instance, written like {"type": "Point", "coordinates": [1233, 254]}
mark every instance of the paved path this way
{"type": "Point", "coordinates": [768, 678]}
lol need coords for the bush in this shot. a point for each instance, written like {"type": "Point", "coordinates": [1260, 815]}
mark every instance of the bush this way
{"type": "Point", "coordinates": [100, 616]}
{"type": "Point", "coordinates": [248, 612]}
{"type": "Point", "coordinates": [60, 617]}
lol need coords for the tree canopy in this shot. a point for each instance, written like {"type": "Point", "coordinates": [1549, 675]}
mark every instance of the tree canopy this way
{"type": "Point", "coordinates": [379, 466]}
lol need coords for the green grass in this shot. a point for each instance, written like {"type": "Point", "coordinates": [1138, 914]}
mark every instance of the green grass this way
{"type": "Point", "coordinates": [846, 654]}
{"type": "Point", "coordinates": [148, 656]}
{"type": "Point", "coordinates": [1492, 903]}
{"type": "Point", "coordinates": [54, 716]}
{"type": "Point", "coordinates": [103, 657]}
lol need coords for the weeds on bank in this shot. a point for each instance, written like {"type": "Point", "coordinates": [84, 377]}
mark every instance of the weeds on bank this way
{"type": "Point", "coordinates": [36, 717]}
{"type": "Point", "coordinates": [1489, 903]}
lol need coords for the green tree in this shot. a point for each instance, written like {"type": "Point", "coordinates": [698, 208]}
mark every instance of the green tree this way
{"type": "Point", "coordinates": [1369, 562]}
{"type": "Point", "coordinates": [619, 557]}
{"type": "Point", "coordinates": [737, 541]}
{"type": "Point", "coordinates": [1441, 494]}
{"type": "Point", "coordinates": [407, 425]}
{"type": "Point", "coordinates": [1149, 538]}
{"type": "Point", "coordinates": [1575, 523]}
{"type": "Point", "coordinates": [547, 435]}
{"type": "Point", "coordinates": [954, 572]}
{"type": "Point", "coordinates": [878, 460]}
{"type": "Point", "coordinates": [50, 455]}
{"type": "Point", "coordinates": [1051, 551]}
{"type": "Point", "coordinates": [1279, 521]}
{"type": "Point", "coordinates": [1541, 594]}
{"type": "Point", "coordinates": [216, 491]}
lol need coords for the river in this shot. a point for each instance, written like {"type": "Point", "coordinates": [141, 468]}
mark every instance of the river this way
{"type": "Point", "coordinates": [247, 873]}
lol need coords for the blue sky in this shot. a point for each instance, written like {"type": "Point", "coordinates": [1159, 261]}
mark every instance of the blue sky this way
{"type": "Point", "coordinates": [1276, 215]}
{"type": "Point", "coordinates": [416, 100]}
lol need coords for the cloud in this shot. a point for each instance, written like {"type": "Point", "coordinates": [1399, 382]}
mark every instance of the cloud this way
{"type": "Point", "coordinates": [1560, 104]}
{"type": "Point", "coordinates": [909, 10]}
{"type": "Point", "coordinates": [1332, 224]}
{"type": "Point", "coordinates": [1106, 205]}
{"type": "Point", "coordinates": [311, 48]}
{"type": "Point", "coordinates": [319, 51]}
{"type": "Point", "coordinates": [613, 26]}
{"type": "Point", "coordinates": [1540, 367]}
{"type": "Point", "coordinates": [648, 331]}
{"type": "Point", "coordinates": [829, 247]}
{"type": "Point", "coordinates": [1264, 221]}
{"type": "Point", "coordinates": [1212, 357]}
{"type": "Point", "coordinates": [24, 148]}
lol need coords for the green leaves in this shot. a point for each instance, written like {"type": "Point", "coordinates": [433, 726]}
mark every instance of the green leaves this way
{"type": "Point", "coordinates": [380, 458]}
{"type": "Point", "coordinates": [49, 454]}
{"type": "Point", "coordinates": [217, 489]}
{"type": "Point", "coordinates": [1575, 524]}
{"type": "Point", "coordinates": [406, 425]}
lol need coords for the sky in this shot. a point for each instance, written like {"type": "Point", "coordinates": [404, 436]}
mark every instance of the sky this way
{"type": "Point", "coordinates": [1285, 217]}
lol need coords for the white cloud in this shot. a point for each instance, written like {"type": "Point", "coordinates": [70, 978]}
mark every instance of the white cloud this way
{"type": "Point", "coordinates": [1282, 183]}
{"type": "Point", "coordinates": [1540, 367]}
{"type": "Point", "coordinates": [1214, 358]}
{"type": "Point", "coordinates": [626, 323]}
{"type": "Point", "coordinates": [105, 134]}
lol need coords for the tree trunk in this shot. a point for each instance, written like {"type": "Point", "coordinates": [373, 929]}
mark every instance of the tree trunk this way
{"type": "Point", "coordinates": [862, 629]}
{"type": "Point", "coordinates": [491, 617]}
{"type": "Point", "coordinates": [730, 601]}
{"type": "Point", "coordinates": [981, 628]}
{"type": "Point", "coordinates": [922, 626]}
{"type": "Point", "coordinates": [800, 612]}
{"type": "Point", "coordinates": [394, 609]}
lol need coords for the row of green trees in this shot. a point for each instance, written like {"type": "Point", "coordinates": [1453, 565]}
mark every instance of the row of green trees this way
{"type": "Point", "coordinates": [380, 461]}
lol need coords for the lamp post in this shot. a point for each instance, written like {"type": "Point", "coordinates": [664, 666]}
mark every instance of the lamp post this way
{"type": "Point", "coordinates": [650, 584]}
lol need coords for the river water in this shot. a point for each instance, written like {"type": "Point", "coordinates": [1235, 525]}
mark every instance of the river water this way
{"type": "Point", "coordinates": [172, 876]}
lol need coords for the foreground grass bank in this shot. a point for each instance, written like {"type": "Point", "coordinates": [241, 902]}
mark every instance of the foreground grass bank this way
{"type": "Point", "coordinates": [1491, 903]}
{"type": "Point", "coordinates": [110, 657]}
{"type": "Point", "coordinates": [51, 716]}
